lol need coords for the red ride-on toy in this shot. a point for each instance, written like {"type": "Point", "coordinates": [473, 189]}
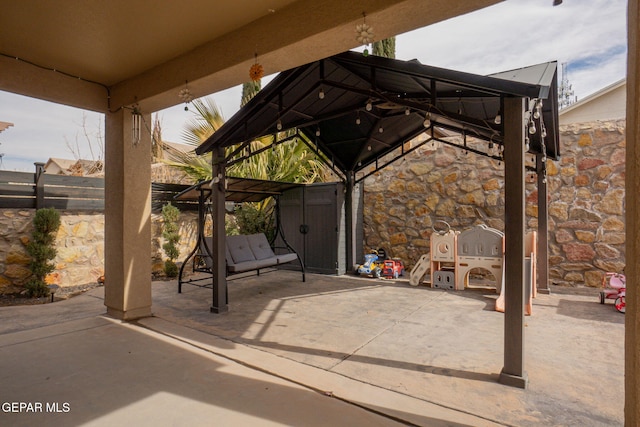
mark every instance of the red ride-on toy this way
{"type": "Point", "coordinates": [393, 268]}
{"type": "Point", "coordinates": [614, 288]}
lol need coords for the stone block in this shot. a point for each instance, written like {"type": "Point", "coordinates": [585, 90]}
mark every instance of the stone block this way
{"type": "Point", "coordinates": [581, 180]}
{"type": "Point", "coordinates": [397, 186]}
{"type": "Point", "coordinates": [421, 168]}
{"type": "Point", "coordinates": [560, 210]}
{"type": "Point", "coordinates": [416, 187]}
{"type": "Point", "coordinates": [579, 224]}
{"type": "Point", "coordinates": [603, 171]}
{"type": "Point", "coordinates": [21, 258]}
{"type": "Point", "coordinates": [618, 157]}
{"type": "Point", "coordinates": [574, 277]}
{"type": "Point", "coordinates": [585, 140]}
{"type": "Point", "coordinates": [398, 238]}
{"type": "Point", "coordinates": [589, 163]}
{"type": "Point", "coordinates": [593, 278]}
{"type": "Point", "coordinates": [612, 202]}
{"type": "Point", "coordinates": [450, 178]}
{"type": "Point", "coordinates": [491, 184]}
{"type": "Point", "coordinates": [16, 271]}
{"type": "Point", "coordinates": [606, 252]}
{"type": "Point", "coordinates": [613, 238]}
{"type": "Point", "coordinates": [584, 214]}
{"type": "Point", "coordinates": [579, 251]}
{"type": "Point", "coordinates": [613, 224]}
{"type": "Point", "coordinates": [563, 236]}
{"type": "Point", "coordinates": [585, 236]}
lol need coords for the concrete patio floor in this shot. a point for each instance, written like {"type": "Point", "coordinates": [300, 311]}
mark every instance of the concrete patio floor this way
{"type": "Point", "coordinates": [331, 351]}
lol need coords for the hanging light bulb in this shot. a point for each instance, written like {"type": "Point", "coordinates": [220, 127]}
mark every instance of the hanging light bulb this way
{"type": "Point", "coordinates": [380, 129]}
{"type": "Point", "coordinates": [498, 119]}
{"type": "Point", "coordinates": [318, 132]}
{"type": "Point", "coordinates": [369, 105]}
{"type": "Point", "coordinates": [532, 127]}
{"type": "Point", "coordinates": [527, 146]}
{"type": "Point", "coordinates": [427, 121]}
{"type": "Point", "coordinates": [321, 94]}
{"type": "Point", "coordinates": [279, 125]}
{"type": "Point", "coordinates": [368, 148]}
{"type": "Point", "coordinates": [407, 111]}
{"type": "Point", "coordinates": [358, 120]}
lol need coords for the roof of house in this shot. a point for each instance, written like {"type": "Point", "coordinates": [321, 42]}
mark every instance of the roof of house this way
{"type": "Point", "coordinates": [606, 103]}
{"type": "Point", "coordinates": [5, 125]}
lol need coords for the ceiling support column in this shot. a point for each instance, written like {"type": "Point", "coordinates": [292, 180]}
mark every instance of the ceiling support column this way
{"type": "Point", "coordinates": [127, 215]}
{"type": "Point", "coordinates": [543, 226]}
{"type": "Point", "coordinates": [632, 202]}
{"type": "Point", "coordinates": [513, 372]}
{"type": "Point", "coordinates": [220, 302]}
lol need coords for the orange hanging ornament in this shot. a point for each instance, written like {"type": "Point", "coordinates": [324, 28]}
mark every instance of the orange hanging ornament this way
{"type": "Point", "coordinates": [256, 72]}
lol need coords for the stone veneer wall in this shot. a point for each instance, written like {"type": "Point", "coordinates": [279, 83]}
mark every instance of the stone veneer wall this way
{"type": "Point", "coordinates": [80, 246]}
{"type": "Point", "coordinates": [438, 182]}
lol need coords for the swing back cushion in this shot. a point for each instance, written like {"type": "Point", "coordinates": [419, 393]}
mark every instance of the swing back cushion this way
{"type": "Point", "coordinates": [252, 252]}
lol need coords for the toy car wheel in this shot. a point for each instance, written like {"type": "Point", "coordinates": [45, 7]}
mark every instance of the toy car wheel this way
{"type": "Point", "coordinates": [602, 297]}
{"type": "Point", "coordinates": [620, 304]}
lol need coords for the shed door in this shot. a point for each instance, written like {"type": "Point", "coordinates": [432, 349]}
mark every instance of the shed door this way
{"type": "Point", "coordinates": [321, 220]}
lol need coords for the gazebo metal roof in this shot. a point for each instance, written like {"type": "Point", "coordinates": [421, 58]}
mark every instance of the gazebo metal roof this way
{"type": "Point", "coordinates": [356, 109]}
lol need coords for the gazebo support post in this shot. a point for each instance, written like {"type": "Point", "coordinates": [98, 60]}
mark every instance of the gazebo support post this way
{"type": "Point", "coordinates": [513, 373]}
{"type": "Point", "coordinates": [220, 298]}
{"type": "Point", "coordinates": [349, 220]}
{"type": "Point", "coordinates": [542, 260]}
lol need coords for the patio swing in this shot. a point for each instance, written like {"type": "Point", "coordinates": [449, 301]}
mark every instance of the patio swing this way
{"type": "Point", "coordinates": [244, 253]}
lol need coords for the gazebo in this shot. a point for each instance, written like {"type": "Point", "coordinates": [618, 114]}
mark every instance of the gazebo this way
{"type": "Point", "coordinates": [358, 112]}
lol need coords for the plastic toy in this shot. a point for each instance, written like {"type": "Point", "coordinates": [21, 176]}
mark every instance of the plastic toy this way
{"type": "Point", "coordinates": [373, 263]}
{"type": "Point", "coordinates": [614, 288]}
{"type": "Point", "coordinates": [393, 268]}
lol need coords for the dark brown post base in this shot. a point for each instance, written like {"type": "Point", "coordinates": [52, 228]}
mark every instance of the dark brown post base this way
{"type": "Point", "coordinates": [514, 380]}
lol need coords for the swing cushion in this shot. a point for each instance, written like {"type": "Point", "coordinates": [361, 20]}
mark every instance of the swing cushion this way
{"type": "Point", "coordinates": [260, 246]}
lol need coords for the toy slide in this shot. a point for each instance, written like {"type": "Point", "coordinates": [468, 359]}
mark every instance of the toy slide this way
{"type": "Point", "coordinates": [531, 290]}
{"type": "Point", "coordinates": [418, 271]}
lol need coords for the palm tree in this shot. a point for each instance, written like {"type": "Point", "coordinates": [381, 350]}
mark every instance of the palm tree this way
{"type": "Point", "coordinates": [290, 161]}
{"type": "Point", "coordinates": [386, 48]}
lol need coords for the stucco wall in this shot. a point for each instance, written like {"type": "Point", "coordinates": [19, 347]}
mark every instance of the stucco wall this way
{"type": "Point", "coordinates": [438, 182]}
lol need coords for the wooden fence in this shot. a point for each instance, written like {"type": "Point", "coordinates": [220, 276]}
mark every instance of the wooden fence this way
{"type": "Point", "coordinates": [24, 190]}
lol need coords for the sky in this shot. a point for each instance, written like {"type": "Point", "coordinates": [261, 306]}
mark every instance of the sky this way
{"type": "Point", "coordinates": [589, 36]}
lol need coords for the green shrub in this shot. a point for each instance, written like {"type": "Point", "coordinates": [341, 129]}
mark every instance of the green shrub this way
{"type": "Point", "coordinates": [46, 223]}
{"type": "Point", "coordinates": [252, 218]}
{"type": "Point", "coordinates": [171, 214]}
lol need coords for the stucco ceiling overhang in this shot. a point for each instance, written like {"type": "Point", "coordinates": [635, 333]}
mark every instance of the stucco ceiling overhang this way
{"type": "Point", "coordinates": [108, 54]}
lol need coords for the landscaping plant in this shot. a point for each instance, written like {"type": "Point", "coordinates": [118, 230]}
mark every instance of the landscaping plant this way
{"type": "Point", "coordinates": [170, 214]}
{"type": "Point", "coordinates": [41, 247]}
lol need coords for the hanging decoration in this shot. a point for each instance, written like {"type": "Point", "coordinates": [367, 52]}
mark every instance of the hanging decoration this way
{"type": "Point", "coordinates": [256, 72]}
{"type": "Point", "coordinates": [186, 96]}
{"type": "Point", "coordinates": [364, 34]}
{"type": "Point", "coordinates": [136, 128]}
